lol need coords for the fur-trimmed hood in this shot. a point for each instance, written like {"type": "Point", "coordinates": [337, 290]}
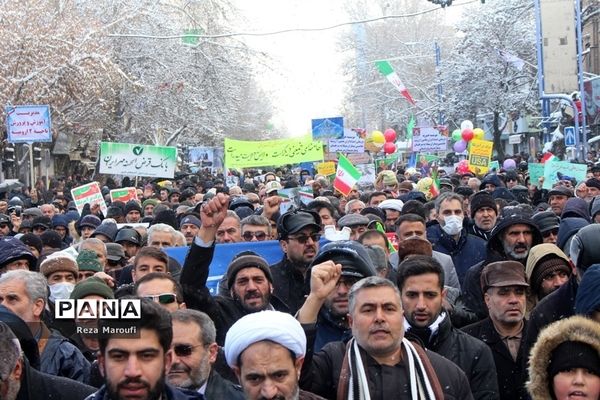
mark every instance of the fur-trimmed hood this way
{"type": "Point", "coordinates": [577, 329]}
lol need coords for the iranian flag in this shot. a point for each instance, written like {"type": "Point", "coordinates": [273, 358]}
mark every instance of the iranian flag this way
{"type": "Point", "coordinates": [346, 176]}
{"type": "Point", "coordinates": [386, 70]}
{"type": "Point", "coordinates": [548, 157]}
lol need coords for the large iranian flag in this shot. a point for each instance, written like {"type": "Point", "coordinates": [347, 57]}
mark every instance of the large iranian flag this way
{"type": "Point", "coordinates": [346, 176]}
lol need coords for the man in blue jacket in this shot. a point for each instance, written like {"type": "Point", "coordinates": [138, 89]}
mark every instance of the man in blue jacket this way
{"type": "Point", "coordinates": [450, 237]}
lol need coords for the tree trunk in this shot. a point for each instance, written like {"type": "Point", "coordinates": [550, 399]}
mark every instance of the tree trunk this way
{"type": "Point", "coordinates": [497, 132]}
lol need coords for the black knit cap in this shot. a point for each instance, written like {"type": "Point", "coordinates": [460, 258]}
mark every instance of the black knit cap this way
{"type": "Point", "coordinates": [547, 265]}
{"type": "Point", "coordinates": [546, 220]}
{"type": "Point", "coordinates": [571, 355]}
{"type": "Point", "coordinates": [247, 259]}
{"type": "Point", "coordinates": [480, 200]}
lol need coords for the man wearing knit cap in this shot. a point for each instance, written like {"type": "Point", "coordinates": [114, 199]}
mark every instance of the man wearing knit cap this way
{"type": "Point", "coordinates": [61, 226]}
{"type": "Point", "coordinates": [504, 287]}
{"type": "Point", "coordinates": [484, 214]}
{"type": "Point", "coordinates": [87, 225]}
{"type": "Point", "coordinates": [548, 223]}
{"type": "Point", "coordinates": [148, 207]}
{"type": "Point", "coordinates": [593, 185]}
{"type": "Point", "coordinates": [266, 351]}
{"type": "Point", "coordinates": [547, 269]}
{"type": "Point", "coordinates": [189, 226]}
{"type": "Point", "coordinates": [41, 224]}
{"type": "Point", "coordinates": [133, 212]}
{"type": "Point", "coordinates": [87, 264]}
{"type": "Point", "coordinates": [558, 197]}
{"type": "Point", "coordinates": [89, 289]}
{"type": "Point", "coordinates": [60, 271]}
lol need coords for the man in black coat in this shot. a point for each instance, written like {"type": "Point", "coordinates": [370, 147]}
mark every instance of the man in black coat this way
{"type": "Point", "coordinates": [504, 286]}
{"type": "Point", "coordinates": [21, 381]}
{"type": "Point", "coordinates": [421, 283]}
{"type": "Point", "coordinates": [512, 238]}
{"type": "Point", "coordinates": [194, 355]}
{"type": "Point", "coordinates": [378, 348]}
{"type": "Point", "coordinates": [248, 276]}
{"type": "Point", "coordinates": [298, 233]}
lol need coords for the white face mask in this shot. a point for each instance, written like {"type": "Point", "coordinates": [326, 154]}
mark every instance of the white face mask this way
{"type": "Point", "coordinates": [61, 291]}
{"type": "Point", "coordinates": [453, 225]}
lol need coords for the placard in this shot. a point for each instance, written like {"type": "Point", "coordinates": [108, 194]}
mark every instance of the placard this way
{"type": "Point", "coordinates": [480, 154]}
{"type": "Point", "coordinates": [326, 168]}
{"type": "Point", "coordinates": [124, 195]}
{"type": "Point", "coordinates": [137, 160]}
{"type": "Point", "coordinates": [554, 169]}
{"type": "Point", "coordinates": [428, 140]}
{"type": "Point", "coordinates": [347, 144]}
{"type": "Point", "coordinates": [28, 124]}
{"type": "Point", "coordinates": [88, 193]}
{"type": "Point", "coordinates": [265, 153]}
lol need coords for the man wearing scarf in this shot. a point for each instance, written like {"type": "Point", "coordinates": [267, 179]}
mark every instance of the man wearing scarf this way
{"type": "Point", "coordinates": [421, 282]}
{"type": "Point", "coordinates": [379, 362]}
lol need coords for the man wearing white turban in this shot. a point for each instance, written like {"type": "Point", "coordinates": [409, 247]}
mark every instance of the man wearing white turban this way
{"type": "Point", "coordinates": [266, 350]}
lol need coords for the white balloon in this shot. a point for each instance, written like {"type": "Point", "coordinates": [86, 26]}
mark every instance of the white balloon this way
{"type": "Point", "coordinates": [466, 124]}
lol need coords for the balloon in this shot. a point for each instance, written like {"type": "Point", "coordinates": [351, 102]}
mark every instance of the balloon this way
{"type": "Point", "coordinates": [456, 135]}
{"type": "Point", "coordinates": [378, 139]}
{"type": "Point", "coordinates": [389, 148]}
{"type": "Point", "coordinates": [466, 124]}
{"type": "Point", "coordinates": [460, 146]}
{"type": "Point", "coordinates": [478, 133]}
{"type": "Point", "coordinates": [467, 135]}
{"type": "Point", "coordinates": [390, 135]}
{"type": "Point", "coordinates": [462, 167]}
{"type": "Point", "coordinates": [509, 163]}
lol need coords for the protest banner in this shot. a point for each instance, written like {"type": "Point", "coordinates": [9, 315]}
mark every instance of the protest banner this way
{"type": "Point", "coordinates": [88, 193]}
{"type": "Point", "coordinates": [359, 158]}
{"type": "Point", "coordinates": [347, 144]}
{"type": "Point", "coordinates": [536, 171]}
{"type": "Point", "coordinates": [480, 154]}
{"type": "Point", "coordinates": [124, 195]}
{"type": "Point", "coordinates": [554, 171]}
{"type": "Point", "coordinates": [137, 160]}
{"type": "Point", "coordinates": [326, 168]}
{"type": "Point", "coordinates": [327, 128]}
{"type": "Point", "coordinates": [428, 140]}
{"type": "Point", "coordinates": [28, 124]}
{"type": "Point", "coordinates": [265, 153]}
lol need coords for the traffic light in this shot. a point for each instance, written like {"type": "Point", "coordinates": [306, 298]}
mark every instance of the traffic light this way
{"type": "Point", "coordinates": [37, 154]}
{"type": "Point", "coordinates": [9, 154]}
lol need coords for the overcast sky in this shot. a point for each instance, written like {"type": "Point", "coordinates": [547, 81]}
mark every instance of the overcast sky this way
{"type": "Point", "coordinates": [304, 77]}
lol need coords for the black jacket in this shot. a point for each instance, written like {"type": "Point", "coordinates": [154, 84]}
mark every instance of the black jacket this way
{"type": "Point", "coordinates": [510, 372]}
{"type": "Point", "coordinates": [321, 373]}
{"type": "Point", "coordinates": [219, 388]}
{"type": "Point", "coordinates": [469, 353]}
{"type": "Point", "coordinates": [170, 393]}
{"type": "Point", "coordinates": [36, 385]}
{"type": "Point", "coordinates": [224, 311]}
{"type": "Point", "coordinates": [289, 284]}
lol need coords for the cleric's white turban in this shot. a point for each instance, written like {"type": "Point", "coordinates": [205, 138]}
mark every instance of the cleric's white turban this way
{"type": "Point", "coordinates": [275, 326]}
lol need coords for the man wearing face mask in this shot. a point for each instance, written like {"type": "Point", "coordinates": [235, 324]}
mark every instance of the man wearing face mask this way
{"type": "Point", "coordinates": [450, 237]}
{"type": "Point", "coordinates": [25, 294]}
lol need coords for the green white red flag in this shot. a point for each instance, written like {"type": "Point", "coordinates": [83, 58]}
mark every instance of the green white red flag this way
{"type": "Point", "coordinates": [386, 70]}
{"type": "Point", "coordinates": [346, 176]}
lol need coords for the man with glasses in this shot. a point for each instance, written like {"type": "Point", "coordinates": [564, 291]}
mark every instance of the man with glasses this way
{"type": "Point", "coordinates": [330, 313]}
{"type": "Point", "coordinates": [548, 223]}
{"type": "Point", "coordinates": [299, 235]}
{"type": "Point", "coordinates": [195, 350]}
{"type": "Point", "coordinates": [256, 228]}
{"type": "Point", "coordinates": [161, 288]}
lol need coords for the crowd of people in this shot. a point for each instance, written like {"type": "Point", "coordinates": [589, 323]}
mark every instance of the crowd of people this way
{"type": "Point", "coordinates": [465, 288]}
